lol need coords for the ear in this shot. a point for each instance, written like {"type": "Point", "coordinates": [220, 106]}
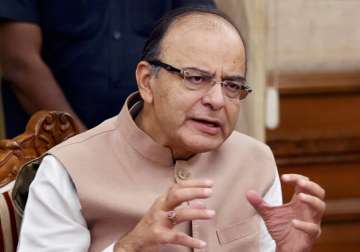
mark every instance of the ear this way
{"type": "Point", "coordinates": [143, 79]}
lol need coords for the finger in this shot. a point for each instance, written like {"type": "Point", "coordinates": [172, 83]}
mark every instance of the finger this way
{"type": "Point", "coordinates": [311, 187]}
{"type": "Point", "coordinates": [197, 204]}
{"type": "Point", "coordinates": [315, 203]}
{"type": "Point", "coordinates": [312, 229]}
{"type": "Point", "coordinates": [188, 214]}
{"type": "Point", "coordinates": [303, 184]}
{"type": "Point", "coordinates": [292, 177]}
{"type": "Point", "coordinates": [185, 240]}
{"type": "Point", "coordinates": [196, 183]}
{"type": "Point", "coordinates": [177, 196]}
{"type": "Point", "coordinates": [263, 208]}
{"type": "Point", "coordinates": [256, 201]}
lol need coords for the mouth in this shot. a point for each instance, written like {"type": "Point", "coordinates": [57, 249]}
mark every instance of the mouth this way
{"type": "Point", "coordinates": [206, 125]}
{"type": "Point", "coordinates": [210, 123]}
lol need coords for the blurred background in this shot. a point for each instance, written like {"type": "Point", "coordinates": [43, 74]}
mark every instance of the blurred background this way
{"type": "Point", "coordinates": [304, 67]}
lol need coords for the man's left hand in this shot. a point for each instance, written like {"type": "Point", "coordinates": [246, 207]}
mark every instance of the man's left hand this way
{"type": "Point", "coordinates": [294, 226]}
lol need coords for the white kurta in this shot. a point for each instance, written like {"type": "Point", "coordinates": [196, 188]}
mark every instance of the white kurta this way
{"type": "Point", "coordinates": [53, 220]}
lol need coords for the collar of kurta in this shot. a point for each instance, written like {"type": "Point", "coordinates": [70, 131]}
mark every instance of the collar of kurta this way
{"type": "Point", "coordinates": [137, 138]}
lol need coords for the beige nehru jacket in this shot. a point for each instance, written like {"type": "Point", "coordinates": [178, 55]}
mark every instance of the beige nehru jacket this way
{"type": "Point", "coordinates": [119, 171]}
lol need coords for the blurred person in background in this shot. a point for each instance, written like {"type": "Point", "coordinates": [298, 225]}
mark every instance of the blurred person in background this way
{"type": "Point", "coordinates": [74, 56]}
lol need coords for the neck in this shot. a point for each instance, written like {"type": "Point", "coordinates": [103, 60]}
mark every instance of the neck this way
{"type": "Point", "coordinates": [146, 123]}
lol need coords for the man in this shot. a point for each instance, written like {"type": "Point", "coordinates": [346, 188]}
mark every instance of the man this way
{"type": "Point", "coordinates": [169, 173]}
{"type": "Point", "coordinates": [74, 56]}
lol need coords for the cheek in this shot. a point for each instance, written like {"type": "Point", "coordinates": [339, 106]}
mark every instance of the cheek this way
{"type": "Point", "coordinates": [171, 108]}
{"type": "Point", "coordinates": [232, 115]}
{"type": "Point", "coordinates": [180, 102]}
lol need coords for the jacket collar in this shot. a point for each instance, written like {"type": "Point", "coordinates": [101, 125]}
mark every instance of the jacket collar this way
{"type": "Point", "coordinates": [137, 138]}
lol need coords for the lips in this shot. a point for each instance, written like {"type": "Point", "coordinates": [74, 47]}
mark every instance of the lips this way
{"type": "Point", "coordinates": [207, 125]}
{"type": "Point", "coordinates": [207, 122]}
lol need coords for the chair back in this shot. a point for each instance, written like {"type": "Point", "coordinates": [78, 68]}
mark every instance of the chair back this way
{"type": "Point", "coordinates": [44, 130]}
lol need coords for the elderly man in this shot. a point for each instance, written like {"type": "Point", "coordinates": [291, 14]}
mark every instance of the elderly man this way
{"type": "Point", "coordinates": [169, 173]}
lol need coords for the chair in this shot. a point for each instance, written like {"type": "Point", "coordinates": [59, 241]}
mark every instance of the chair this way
{"type": "Point", "coordinates": [44, 130]}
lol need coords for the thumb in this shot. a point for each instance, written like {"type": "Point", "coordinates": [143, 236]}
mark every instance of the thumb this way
{"type": "Point", "coordinates": [257, 202]}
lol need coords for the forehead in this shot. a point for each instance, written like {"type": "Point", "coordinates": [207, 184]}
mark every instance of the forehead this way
{"type": "Point", "coordinates": [205, 41]}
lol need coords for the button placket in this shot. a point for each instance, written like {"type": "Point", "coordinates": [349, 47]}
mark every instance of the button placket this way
{"type": "Point", "coordinates": [181, 172]}
{"type": "Point", "coordinates": [195, 232]}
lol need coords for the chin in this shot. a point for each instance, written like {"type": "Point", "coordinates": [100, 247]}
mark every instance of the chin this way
{"type": "Point", "coordinates": [199, 144]}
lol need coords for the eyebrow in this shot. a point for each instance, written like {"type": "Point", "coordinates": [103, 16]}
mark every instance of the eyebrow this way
{"type": "Point", "coordinates": [234, 78]}
{"type": "Point", "coordinates": [200, 70]}
{"type": "Point", "coordinates": [226, 77]}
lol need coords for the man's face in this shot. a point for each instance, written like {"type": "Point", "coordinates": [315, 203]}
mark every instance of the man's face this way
{"type": "Point", "coordinates": [193, 121]}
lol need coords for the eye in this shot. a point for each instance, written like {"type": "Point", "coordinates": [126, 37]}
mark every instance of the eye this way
{"type": "Point", "coordinates": [233, 86]}
{"type": "Point", "coordinates": [196, 78]}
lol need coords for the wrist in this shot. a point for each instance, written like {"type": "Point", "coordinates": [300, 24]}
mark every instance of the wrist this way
{"type": "Point", "coordinates": [128, 244]}
{"type": "Point", "coordinates": [284, 249]}
{"type": "Point", "coordinates": [121, 247]}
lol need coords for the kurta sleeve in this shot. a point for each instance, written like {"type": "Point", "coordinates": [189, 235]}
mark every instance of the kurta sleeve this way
{"type": "Point", "coordinates": [52, 219]}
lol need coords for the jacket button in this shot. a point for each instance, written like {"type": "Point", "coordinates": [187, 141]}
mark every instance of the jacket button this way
{"type": "Point", "coordinates": [183, 174]}
{"type": "Point", "coordinates": [116, 35]}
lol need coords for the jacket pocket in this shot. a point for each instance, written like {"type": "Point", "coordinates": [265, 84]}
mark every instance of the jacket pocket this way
{"type": "Point", "coordinates": [238, 230]}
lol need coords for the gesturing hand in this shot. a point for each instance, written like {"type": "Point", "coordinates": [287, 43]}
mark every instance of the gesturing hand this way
{"type": "Point", "coordinates": [296, 225]}
{"type": "Point", "coordinates": [156, 227]}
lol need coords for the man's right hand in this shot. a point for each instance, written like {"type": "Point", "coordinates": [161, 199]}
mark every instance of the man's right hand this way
{"type": "Point", "coordinates": [156, 228]}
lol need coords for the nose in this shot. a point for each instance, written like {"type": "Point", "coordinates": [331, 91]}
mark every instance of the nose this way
{"type": "Point", "coordinates": [214, 97]}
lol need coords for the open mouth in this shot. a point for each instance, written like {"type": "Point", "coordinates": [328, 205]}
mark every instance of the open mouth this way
{"type": "Point", "coordinates": [207, 126]}
{"type": "Point", "coordinates": [208, 123]}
